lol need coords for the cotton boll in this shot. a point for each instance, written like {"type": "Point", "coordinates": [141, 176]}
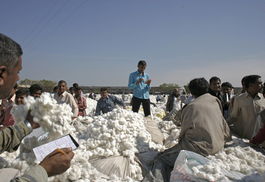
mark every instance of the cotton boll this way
{"type": "Point", "coordinates": [75, 173]}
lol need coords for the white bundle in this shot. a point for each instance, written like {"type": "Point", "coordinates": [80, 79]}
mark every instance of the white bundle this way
{"type": "Point", "coordinates": [52, 117]}
{"type": "Point", "coordinates": [240, 159]}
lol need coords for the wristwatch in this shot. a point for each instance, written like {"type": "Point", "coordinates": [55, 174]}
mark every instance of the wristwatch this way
{"type": "Point", "coordinates": [27, 123]}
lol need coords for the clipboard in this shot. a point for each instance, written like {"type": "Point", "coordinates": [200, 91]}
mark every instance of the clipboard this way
{"type": "Point", "coordinates": [66, 141]}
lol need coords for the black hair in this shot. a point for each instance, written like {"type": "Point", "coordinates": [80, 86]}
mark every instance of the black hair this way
{"type": "Point", "coordinates": [142, 62]}
{"type": "Point", "coordinates": [34, 88]}
{"type": "Point", "coordinates": [214, 78]}
{"type": "Point", "coordinates": [251, 79]}
{"type": "Point", "coordinates": [22, 91]}
{"type": "Point", "coordinates": [75, 85]}
{"type": "Point", "coordinates": [55, 88]}
{"type": "Point", "coordinates": [62, 81]}
{"type": "Point", "coordinates": [227, 84]}
{"type": "Point", "coordinates": [198, 86]}
{"type": "Point", "coordinates": [103, 89]}
{"type": "Point", "coordinates": [243, 80]}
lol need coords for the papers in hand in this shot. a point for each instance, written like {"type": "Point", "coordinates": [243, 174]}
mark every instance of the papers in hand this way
{"type": "Point", "coordinates": [64, 142]}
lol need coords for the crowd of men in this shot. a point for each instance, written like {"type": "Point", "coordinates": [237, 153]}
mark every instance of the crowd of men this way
{"type": "Point", "coordinates": [208, 117]}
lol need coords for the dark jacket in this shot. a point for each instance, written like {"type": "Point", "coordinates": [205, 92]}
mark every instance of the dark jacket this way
{"type": "Point", "coordinates": [170, 102]}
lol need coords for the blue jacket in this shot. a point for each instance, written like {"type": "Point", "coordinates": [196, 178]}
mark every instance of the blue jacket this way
{"type": "Point", "coordinates": [105, 105]}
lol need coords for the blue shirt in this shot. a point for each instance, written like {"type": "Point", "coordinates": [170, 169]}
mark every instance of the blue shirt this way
{"type": "Point", "coordinates": [140, 90]}
{"type": "Point", "coordinates": [107, 104]}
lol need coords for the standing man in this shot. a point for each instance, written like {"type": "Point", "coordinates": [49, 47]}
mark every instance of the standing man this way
{"type": "Point", "coordinates": [139, 82]}
{"type": "Point", "coordinates": [80, 101]}
{"type": "Point", "coordinates": [227, 95]}
{"type": "Point", "coordinates": [62, 96]}
{"type": "Point", "coordinates": [10, 137]}
{"type": "Point", "coordinates": [172, 101]}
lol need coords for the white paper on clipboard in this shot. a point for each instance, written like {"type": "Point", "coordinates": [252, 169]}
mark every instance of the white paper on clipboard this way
{"type": "Point", "coordinates": [64, 142]}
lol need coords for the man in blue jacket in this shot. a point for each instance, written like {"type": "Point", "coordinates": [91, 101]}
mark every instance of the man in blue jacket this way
{"type": "Point", "coordinates": [139, 82]}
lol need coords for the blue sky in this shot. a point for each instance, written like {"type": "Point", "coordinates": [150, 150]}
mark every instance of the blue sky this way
{"type": "Point", "coordinates": [99, 42]}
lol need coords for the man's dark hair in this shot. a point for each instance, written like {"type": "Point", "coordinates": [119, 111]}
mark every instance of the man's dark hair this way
{"type": "Point", "coordinates": [22, 91]}
{"type": "Point", "coordinates": [198, 86]}
{"type": "Point", "coordinates": [72, 89]}
{"type": "Point", "coordinates": [103, 89]}
{"type": "Point", "coordinates": [10, 51]}
{"type": "Point", "coordinates": [227, 84]}
{"type": "Point", "coordinates": [142, 62]}
{"type": "Point", "coordinates": [243, 80]}
{"type": "Point", "coordinates": [75, 85]}
{"type": "Point", "coordinates": [55, 89]}
{"type": "Point", "coordinates": [62, 81]}
{"type": "Point", "coordinates": [34, 88]}
{"type": "Point", "coordinates": [251, 79]}
{"type": "Point", "coordinates": [213, 79]}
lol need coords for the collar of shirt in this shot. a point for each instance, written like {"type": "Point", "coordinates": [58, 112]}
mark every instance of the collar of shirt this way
{"type": "Point", "coordinates": [105, 98]}
{"type": "Point", "coordinates": [258, 96]}
{"type": "Point", "coordinates": [139, 73]}
{"type": "Point", "coordinates": [62, 95]}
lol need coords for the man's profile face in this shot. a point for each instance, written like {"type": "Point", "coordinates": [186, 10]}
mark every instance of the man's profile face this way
{"type": "Point", "coordinates": [216, 85]}
{"type": "Point", "coordinates": [141, 68]}
{"type": "Point", "coordinates": [257, 86]}
{"type": "Point", "coordinates": [62, 88]}
{"type": "Point", "coordinates": [10, 76]}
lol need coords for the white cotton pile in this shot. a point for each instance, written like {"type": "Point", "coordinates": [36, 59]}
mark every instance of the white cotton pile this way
{"type": "Point", "coordinates": [125, 128]}
{"type": "Point", "coordinates": [171, 133]}
{"type": "Point", "coordinates": [244, 160]}
{"type": "Point", "coordinates": [117, 133]}
{"type": "Point", "coordinates": [11, 160]}
{"type": "Point", "coordinates": [52, 117]}
{"type": "Point", "coordinates": [20, 112]}
{"type": "Point", "coordinates": [153, 98]}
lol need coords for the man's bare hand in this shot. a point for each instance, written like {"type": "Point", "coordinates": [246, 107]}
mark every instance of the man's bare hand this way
{"type": "Point", "coordinates": [139, 80]}
{"type": "Point", "coordinates": [148, 82]}
{"type": "Point", "coordinates": [58, 161]}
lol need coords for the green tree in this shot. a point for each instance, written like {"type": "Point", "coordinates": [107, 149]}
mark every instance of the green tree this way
{"type": "Point", "coordinates": [168, 87]}
{"type": "Point", "coordinates": [43, 83]}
